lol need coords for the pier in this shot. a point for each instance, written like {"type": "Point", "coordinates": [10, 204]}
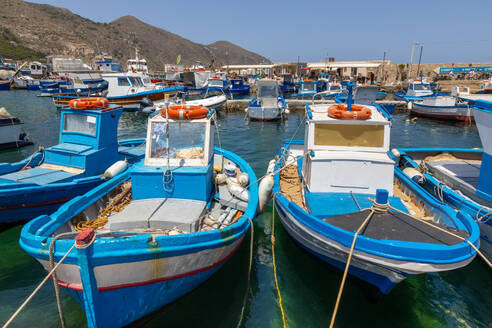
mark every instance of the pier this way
{"type": "Point", "coordinates": [300, 104]}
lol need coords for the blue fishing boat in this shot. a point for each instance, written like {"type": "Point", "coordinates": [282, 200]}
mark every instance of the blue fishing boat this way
{"type": "Point", "coordinates": [460, 177]}
{"type": "Point", "coordinates": [88, 146]}
{"type": "Point", "coordinates": [366, 95]}
{"type": "Point", "coordinates": [287, 84]}
{"type": "Point", "coordinates": [218, 84]}
{"type": "Point", "coordinates": [163, 227]}
{"type": "Point", "coordinates": [341, 198]}
{"type": "Point", "coordinates": [5, 84]}
{"type": "Point", "coordinates": [268, 105]}
{"type": "Point", "coordinates": [306, 89]}
{"type": "Point", "coordinates": [239, 87]}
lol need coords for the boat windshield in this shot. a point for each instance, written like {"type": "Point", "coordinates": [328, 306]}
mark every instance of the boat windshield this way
{"type": "Point", "coordinates": [186, 140]}
{"type": "Point", "coordinates": [421, 86]}
{"type": "Point", "coordinates": [267, 91]}
{"type": "Point", "coordinates": [85, 124]}
{"type": "Point", "coordinates": [308, 86]}
{"type": "Point", "coordinates": [335, 87]}
{"type": "Point", "coordinates": [215, 83]}
{"type": "Point", "coordinates": [136, 82]}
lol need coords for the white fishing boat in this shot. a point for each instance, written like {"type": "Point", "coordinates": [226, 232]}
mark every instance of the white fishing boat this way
{"type": "Point", "coordinates": [11, 134]}
{"type": "Point", "coordinates": [268, 104]}
{"type": "Point", "coordinates": [442, 107]}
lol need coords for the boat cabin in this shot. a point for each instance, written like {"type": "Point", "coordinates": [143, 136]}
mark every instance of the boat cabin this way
{"type": "Point", "coordinates": [267, 93]}
{"type": "Point", "coordinates": [342, 156]}
{"type": "Point", "coordinates": [308, 87]}
{"type": "Point", "coordinates": [178, 160]}
{"type": "Point", "coordinates": [217, 82]}
{"type": "Point", "coordinates": [124, 84]}
{"type": "Point", "coordinates": [37, 69]}
{"type": "Point", "coordinates": [459, 91]}
{"type": "Point", "coordinates": [88, 140]}
{"type": "Point", "coordinates": [419, 88]}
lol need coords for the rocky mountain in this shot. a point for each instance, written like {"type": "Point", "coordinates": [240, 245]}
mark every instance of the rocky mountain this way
{"type": "Point", "coordinates": [52, 30]}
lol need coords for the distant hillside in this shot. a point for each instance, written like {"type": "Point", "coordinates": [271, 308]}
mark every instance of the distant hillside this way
{"type": "Point", "coordinates": [51, 30]}
{"type": "Point", "coordinates": [10, 48]}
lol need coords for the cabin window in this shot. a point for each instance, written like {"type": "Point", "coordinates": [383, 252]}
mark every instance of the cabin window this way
{"type": "Point", "coordinates": [334, 87]}
{"type": "Point", "coordinates": [421, 87]}
{"type": "Point", "coordinates": [267, 91]}
{"type": "Point", "coordinates": [79, 123]}
{"type": "Point", "coordinates": [349, 135]}
{"type": "Point", "coordinates": [215, 83]}
{"type": "Point", "coordinates": [308, 87]}
{"type": "Point", "coordinates": [186, 140]}
{"type": "Point", "coordinates": [123, 81]}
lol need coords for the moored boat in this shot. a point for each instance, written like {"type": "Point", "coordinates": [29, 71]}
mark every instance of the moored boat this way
{"type": "Point", "coordinates": [177, 223]}
{"type": "Point", "coordinates": [339, 193]}
{"type": "Point", "coordinates": [459, 177]}
{"type": "Point", "coordinates": [268, 105]}
{"type": "Point", "coordinates": [239, 87]}
{"type": "Point", "coordinates": [442, 107]}
{"type": "Point", "coordinates": [88, 146]}
{"type": "Point", "coordinates": [11, 134]}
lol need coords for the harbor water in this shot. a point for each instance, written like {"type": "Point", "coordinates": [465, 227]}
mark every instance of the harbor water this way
{"type": "Point", "coordinates": [459, 298]}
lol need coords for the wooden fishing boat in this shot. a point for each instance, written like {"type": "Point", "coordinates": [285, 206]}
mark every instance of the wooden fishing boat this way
{"type": "Point", "coordinates": [268, 105]}
{"type": "Point", "coordinates": [442, 107]}
{"type": "Point", "coordinates": [88, 146]}
{"type": "Point", "coordinates": [163, 227]}
{"type": "Point", "coordinates": [239, 87]}
{"type": "Point", "coordinates": [460, 177]}
{"type": "Point", "coordinates": [339, 193]}
{"type": "Point", "coordinates": [305, 89]}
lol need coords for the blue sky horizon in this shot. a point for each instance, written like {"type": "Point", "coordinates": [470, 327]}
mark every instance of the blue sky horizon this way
{"type": "Point", "coordinates": [451, 31]}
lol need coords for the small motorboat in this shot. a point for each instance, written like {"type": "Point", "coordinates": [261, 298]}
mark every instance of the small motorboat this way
{"type": "Point", "coordinates": [162, 228]}
{"type": "Point", "coordinates": [11, 134]}
{"type": "Point", "coordinates": [306, 89]}
{"type": "Point", "coordinates": [268, 105]}
{"type": "Point", "coordinates": [485, 87]}
{"type": "Point", "coordinates": [365, 95]}
{"type": "Point", "coordinates": [441, 107]}
{"type": "Point", "coordinates": [460, 177]}
{"type": "Point", "coordinates": [88, 147]}
{"type": "Point", "coordinates": [213, 100]}
{"type": "Point", "coordinates": [287, 84]}
{"type": "Point", "coordinates": [338, 192]}
{"type": "Point", "coordinates": [239, 87]}
{"type": "Point", "coordinates": [417, 89]}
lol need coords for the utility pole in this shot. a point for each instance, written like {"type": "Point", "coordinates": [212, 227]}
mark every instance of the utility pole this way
{"type": "Point", "coordinates": [382, 68]}
{"type": "Point", "coordinates": [420, 58]}
{"type": "Point", "coordinates": [411, 60]}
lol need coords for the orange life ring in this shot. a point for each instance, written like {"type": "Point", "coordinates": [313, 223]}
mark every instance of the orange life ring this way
{"type": "Point", "coordinates": [308, 80]}
{"type": "Point", "coordinates": [88, 103]}
{"type": "Point", "coordinates": [357, 112]}
{"type": "Point", "coordinates": [186, 112]}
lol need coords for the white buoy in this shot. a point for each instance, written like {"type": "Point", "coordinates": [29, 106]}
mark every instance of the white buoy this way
{"type": "Point", "coordinates": [264, 192]}
{"type": "Point", "coordinates": [271, 166]}
{"type": "Point", "coordinates": [414, 174]}
{"type": "Point", "coordinates": [287, 111]}
{"type": "Point", "coordinates": [115, 169]}
{"type": "Point", "coordinates": [243, 179]}
{"type": "Point", "coordinates": [409, 105]}
{"type": "Point", "coordinates": [220, 178]}
{"type": "Point", "coordinates": [246, 110]}
{"type": "Point", "coordinates": [237, 190]}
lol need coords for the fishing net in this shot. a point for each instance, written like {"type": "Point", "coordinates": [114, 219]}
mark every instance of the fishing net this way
{"type": "Point", "coordinates": [291, 186]}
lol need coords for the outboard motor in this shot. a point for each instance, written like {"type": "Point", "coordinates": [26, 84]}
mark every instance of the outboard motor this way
{"type": "Point", "coordinates": [146, 106]}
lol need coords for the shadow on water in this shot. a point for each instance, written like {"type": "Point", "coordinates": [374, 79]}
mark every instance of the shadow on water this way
{"type": "Point", "coordinates": [459, 298]}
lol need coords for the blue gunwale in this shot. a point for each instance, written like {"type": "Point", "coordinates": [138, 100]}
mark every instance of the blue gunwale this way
{"type": "Point", "coordinates": [398, 250]}
{"type": "Point", "coordinates": [131, 246]}
{"type": "Point", "coordinates": [170, 89]}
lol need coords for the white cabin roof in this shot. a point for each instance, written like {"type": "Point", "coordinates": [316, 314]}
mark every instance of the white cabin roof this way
{"type": "Point", "coordinates": [320, 115]}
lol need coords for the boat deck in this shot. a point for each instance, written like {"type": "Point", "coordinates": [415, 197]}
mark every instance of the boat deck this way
{"type": "Point", "coordinates": [458, 174]}
{"type": "Point", "coordinates": [396, 226]}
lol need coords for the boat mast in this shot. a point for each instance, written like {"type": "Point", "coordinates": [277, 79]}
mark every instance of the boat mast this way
{"type": "Point", "coordinates": [420, 58]}
{"type": "Point", "coordinates": [411, 60]}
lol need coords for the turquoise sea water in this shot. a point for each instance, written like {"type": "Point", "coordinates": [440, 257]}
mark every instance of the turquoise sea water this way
{"type": "Point", "coordinates": [459, 298]}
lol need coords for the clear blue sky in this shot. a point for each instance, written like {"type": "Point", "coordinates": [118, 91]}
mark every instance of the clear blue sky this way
{"type": "Point", "coordinates": [451, 30]}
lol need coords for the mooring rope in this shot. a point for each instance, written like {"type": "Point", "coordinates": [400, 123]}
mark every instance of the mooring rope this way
{"type": "Point", "coordinates": [272, 238]}
{"type": "Point", "coordinates": [28, 299]}
{"type": "Point", "coordinates": [251, 243]}
{"type": "Point", "coordinates": [376, 208]}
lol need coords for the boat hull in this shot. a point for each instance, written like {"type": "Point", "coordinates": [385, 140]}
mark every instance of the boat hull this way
{"type": "Point", "coordinates": [454, 113]}
{"type": "Point", "coordinates": [136, 289]}
{"type": "Point", "coordinates": [4, 85]}
{"type": "Point", "coordinates": [264, 114]}
{"type": "Point", "coordinates": [21, 203]}
{"type": "Point", "coordinates": [129, 102]}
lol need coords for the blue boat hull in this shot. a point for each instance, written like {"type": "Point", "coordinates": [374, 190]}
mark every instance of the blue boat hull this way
{"type": "Point", "coordinates": [125, 301]}
{"type": "Point", "coordinates": [5, 85]}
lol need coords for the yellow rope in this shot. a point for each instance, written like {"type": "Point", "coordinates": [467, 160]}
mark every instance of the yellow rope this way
{"type": "Point", "coordinates": [275, 266]}
{"type": "Point", "coordinates": [345, 272]}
